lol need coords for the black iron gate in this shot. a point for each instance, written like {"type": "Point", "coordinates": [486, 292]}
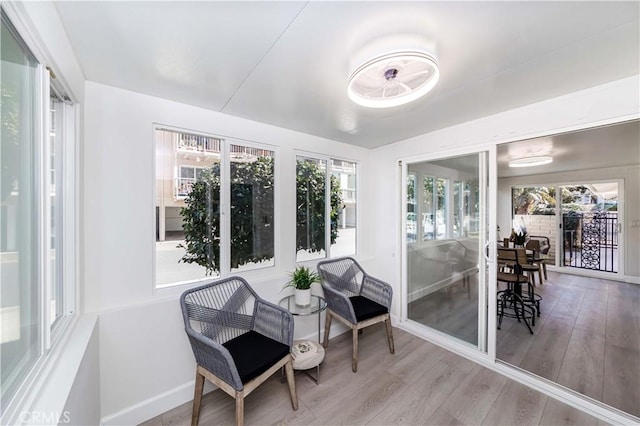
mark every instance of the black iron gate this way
{"type": "Point", "coordinates": [590, 240]}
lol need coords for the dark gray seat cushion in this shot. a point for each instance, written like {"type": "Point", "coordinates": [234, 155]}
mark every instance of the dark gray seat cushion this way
{"type": "Point", "coordinates": [254, 353]}
{"type": "Point", "coordinates": [366, 308]}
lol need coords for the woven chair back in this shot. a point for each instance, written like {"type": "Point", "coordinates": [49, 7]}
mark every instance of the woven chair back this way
{"type": "Point", "coordinates": [222, 310]}
{"type": "Point", "coordinates": [343, 274]}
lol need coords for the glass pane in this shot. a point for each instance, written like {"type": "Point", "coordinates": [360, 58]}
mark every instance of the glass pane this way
{"type": "Point", "coordinates": [19, 311]}
{"type": "Point", "coordinates": [187, 173]}
{"type": "Point", "coordinates": [411, 209]}
{"type": "Point", "coordinates": [187, 211]}
{"type": "Point", "coordinates": [442, 219]}
{"type": "Point", "coordinates": [343, 208]}
{"type": "Point", "coordinates": [458, 208]}
{"type": "Point", "coordinates": [589, 239]}
{"type": "Point", "coordinates": [443, 279]}
{"type": "Point", "coordinates": [252, 184]}
{"type": "Point", "coordinates": [56, 107]}
{"type": "Point", "coordinates": [428, 209]}
{"type": "Point", "coordinates": [310, 208]}
{"type": "Point", "coordinates": [534, 210]}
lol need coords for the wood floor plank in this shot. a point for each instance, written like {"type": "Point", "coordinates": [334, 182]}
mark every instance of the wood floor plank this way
{"type": "Point", "coordinates": [556, 413]}
{"type": "Point", "coordinates": [513, 341]}
{"type": "Point", "coordinates": [156, 421]}
{"type": "Point", "coordinates": [621, 379]}
{"type": "Point", "coordinates": [420, 401]}
{"type": "Point", "coordinates": [546, 354]}
{"type": "Point", "coordinates": [363, 404]}
{"type": "Point", "coordinates": [442, 418]}
{"type": "Point", "coordinates": [623, 322]}
{"type": "Point", "coordinates": [516, 405]}
{"type": "Point", "coordinates": [419, 353]}
{"type": "Point", "coordinates": [583, 366]}
{"type": "Point", "coordinates": [568, 305]}
{"type": "Point", "coordinates": [475, 396]}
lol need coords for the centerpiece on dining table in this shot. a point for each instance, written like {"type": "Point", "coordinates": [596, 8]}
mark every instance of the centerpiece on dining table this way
{"type": "Point", "coordinates": [518, 234]}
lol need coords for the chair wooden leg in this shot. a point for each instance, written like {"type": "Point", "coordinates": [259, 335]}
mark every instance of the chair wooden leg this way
{"type": "Point", "coordinates": [292, 384]}
{"type": "Point", "coordinates": [354, 363]}
{"type": "Point", "coordinates": [239, 408]}
{"type": "Point", "coordinates": [387, 322]}
{"type": "Point", "coordinates": [327, 327]}
{"type": "Point", "coordinates": [197, 398]}
{"type": "Point", "coordinates": [540, 274]}
{"type": "Point", "coordinates": [544, 270]}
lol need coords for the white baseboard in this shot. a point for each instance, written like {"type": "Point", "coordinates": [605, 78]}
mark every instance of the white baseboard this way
{"type": "Point", "coordinates": [595, 274]}
{"type": "Point", "coordinates": [151, 407]}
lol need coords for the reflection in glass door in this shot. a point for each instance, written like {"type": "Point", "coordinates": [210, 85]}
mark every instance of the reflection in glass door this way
{"type": "Point", "coordinates": [445, 232]}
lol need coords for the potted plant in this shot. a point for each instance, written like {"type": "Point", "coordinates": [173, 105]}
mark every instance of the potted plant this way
{"type": "Point", "coordinates": [519, 236]}
{"type": "Point", "coordinates": [301, 280]}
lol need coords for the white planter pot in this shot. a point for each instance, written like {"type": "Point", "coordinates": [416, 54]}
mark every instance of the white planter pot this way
{"type": "Point", "coordinates": [302, 297]}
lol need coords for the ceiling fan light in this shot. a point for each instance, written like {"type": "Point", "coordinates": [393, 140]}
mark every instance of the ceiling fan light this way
{"type": "Point", "coordinates": [531, 161]}
{"type": "Point", "coordinates": [393, 79]}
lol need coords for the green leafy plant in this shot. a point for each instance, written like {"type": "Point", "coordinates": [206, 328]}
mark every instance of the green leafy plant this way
{"type": "Point", "coordinates": [252, 199]}
{"type": "Point", "coordinates": [310, 207]}
{"type": "Point", "coordinates": [302, 278]}
{"type": "Point", "coordinates": [201, 221]}
{"type": "Point", "coordinates": [251, 216]}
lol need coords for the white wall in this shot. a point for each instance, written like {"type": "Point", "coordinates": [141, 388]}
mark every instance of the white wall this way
{"type": "Point", "coordinates": [631, 208]}
{"type": "Point", "coordinates": [143, 350]}
{"type": "Point", "coordinates": [611, 102]}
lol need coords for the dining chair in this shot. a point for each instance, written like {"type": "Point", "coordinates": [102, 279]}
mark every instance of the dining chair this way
{"type": "Point", "coordinates": [543, 253]}
{"type": "Point", "coordinates": [529, 263]}
{"type": "Point", "coordinates": [356, 299]}
{"type": "Point", "coordinates": [238, 339]}
{"type": "Point", "coordinates": [512, 298]}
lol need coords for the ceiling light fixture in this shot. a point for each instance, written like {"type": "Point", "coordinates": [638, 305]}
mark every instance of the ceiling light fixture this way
{"type": "Point", "coordinates": [393, 79]}
{"type": "Point", "coordinates": [530, 161]}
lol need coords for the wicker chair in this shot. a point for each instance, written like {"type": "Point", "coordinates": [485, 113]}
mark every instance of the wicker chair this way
{"type": "Point", "coordinates": [354, 298]}
{"type": "Point", "coordinates": [238, 340]}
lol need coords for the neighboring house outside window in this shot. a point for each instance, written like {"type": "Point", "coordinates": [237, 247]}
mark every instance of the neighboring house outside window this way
{"type": "Point", "coordinates": [191, 171]}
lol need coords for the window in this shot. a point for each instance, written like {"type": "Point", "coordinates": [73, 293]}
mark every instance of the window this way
{"type": "Point", "coordinates": [21, 313]}
{"type": "Point", "coordinates": [37, 225]}
{"type": "Point", "coordinates": [252, 207]}
{"type": "Point", "coordinates": [197, 178]}
{"type": "Point", "coordinates": [325, 208]}
{"type": "Point", "coordinates": [343, 202]}
{"type": "Point", "coordinates": [434, 209]}
{"type": "Point", "coordinates": [58, 110]}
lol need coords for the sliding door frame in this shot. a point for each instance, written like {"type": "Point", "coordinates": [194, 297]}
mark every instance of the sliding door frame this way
{"type": "Point", "coordinates": [485, 350]}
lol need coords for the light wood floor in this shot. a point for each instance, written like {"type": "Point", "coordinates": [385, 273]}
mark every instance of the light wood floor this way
{"type": "Point", "coordinates": [421, 384]}
{"type": "Point", "coordinates": [587, 339]}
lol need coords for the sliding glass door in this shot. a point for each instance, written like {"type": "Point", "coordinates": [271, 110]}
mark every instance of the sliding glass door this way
{"type": "Point", "coordinates": [446, 232]}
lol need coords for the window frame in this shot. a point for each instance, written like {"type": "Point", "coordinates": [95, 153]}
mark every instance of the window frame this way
{"type": "Point", "coordinates": [327, 188]}
{"type": "Point", "coordinates": [50, 335]}
{"type": "Point", "coordinates": [225, 205]}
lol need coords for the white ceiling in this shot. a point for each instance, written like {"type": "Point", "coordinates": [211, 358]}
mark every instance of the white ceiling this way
{"type": "Point", "coordinates": [287, 63]}
{"type": "Point", "coordinates": [608, 146]}
{"type": "Point", "coordinates": [615, 145]}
